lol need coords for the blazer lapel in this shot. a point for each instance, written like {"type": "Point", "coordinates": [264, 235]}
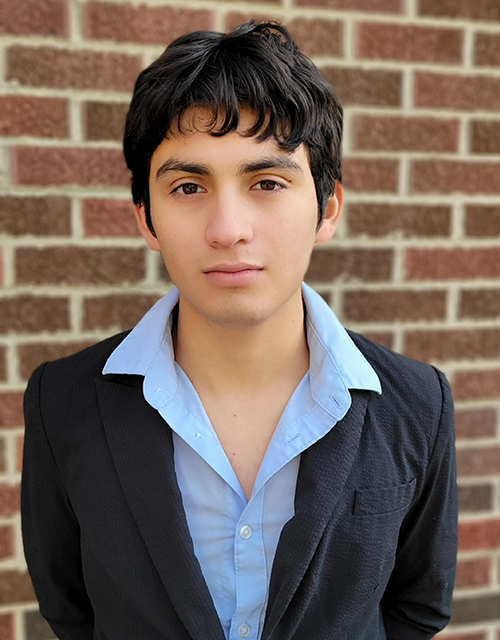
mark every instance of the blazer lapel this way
{"type": "Point", "coordinates": [324, 468]}
{"type": "Point", "coordinates": [141, 447]}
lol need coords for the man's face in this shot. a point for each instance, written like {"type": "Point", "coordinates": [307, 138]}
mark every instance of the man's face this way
{"type": "Point", "coordinates": [235, 221]}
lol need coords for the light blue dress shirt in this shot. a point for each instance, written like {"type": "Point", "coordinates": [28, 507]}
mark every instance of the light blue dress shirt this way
{"type": "Point", "coordinates": [235, 540]}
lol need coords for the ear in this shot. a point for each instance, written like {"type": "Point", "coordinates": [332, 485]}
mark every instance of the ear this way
{"type": "Point", "coordinates": [140, 217]}
{"type": "Point", "coordinates": [332, 215]}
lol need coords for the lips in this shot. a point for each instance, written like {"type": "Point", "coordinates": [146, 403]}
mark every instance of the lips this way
{"type": "Point", "coordinates": [237, 274]}
{"type": "Point", "coordinates": [232, 268]}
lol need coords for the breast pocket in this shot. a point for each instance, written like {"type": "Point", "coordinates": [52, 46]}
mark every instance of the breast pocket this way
{"type": "Point", "coordinates": [369, 502]}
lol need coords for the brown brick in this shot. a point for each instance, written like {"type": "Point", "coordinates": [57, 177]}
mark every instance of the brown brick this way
{"type": "Point", "coordinates": [19, 453]}
{"type": "Point", "coordinates": [472, 498]}
{"type": "Point", "coordinates": [484, 136]}
{"type": "Point", "coordinates": [480, 303]}
{"type": "Point", "coordinates": [482, 534]}
{"type": "Point", "coordinates": [314, 37]}
{"type": "Point", "coordinates": [473, 9]}
{"type": "Point", "coordinates": [487, 49]}
{"type": "Point", "coordinates": [44, 216]}
{"type": "Point", "coordinates": [473, 573]}
{"type": "Point", "coordinates": [475, 423]}
{"type": "Point", "coordinates": [108, 217]}
{"type": "Point", "coordinates": [390, 133]}
{"type": "Point", "coordinates": [449, 176]}
{"type": "Point", "coordinates": [462, 92]}
{"type": "Point", "coordinates": [356, 86]}
{"type": "Point", "coordinates": [6, 542]}
{"type": "Point", "coordinates": [408, 221]}
{"type": "Point", "coordinates": [7, 626]}
{"type": "Point", "coordinates": [147, 25]}
{"type": "Point", "coordinates": [37, 628]}
{"type": "Point", "coordinates": [452, 264]}
{"type": "Point", "coordinates": [482, 221]}
{"type": "Point", "coordinates": [32, 116]}
{"type": "Point", "coordinates": [62, 165]}
{"type": "Point", "coordinates": [408, 43]}
{"type": "Point", "coordinates": [15, 586]}
{"type": "Point", "coordinates": [64, 69]}
{"type": "Point", "coordinates": [363, 174]}
{"type": "Point", "coordinates": [477, 384]}
{"type": "Point", "coordinates": [462, 636]}
{"type": "Point", "coordinates": [370, 265]}
{"type": "Point", "coordinates": [34, 17]}
{"type": "Point", "coordinates": [3, 457]}
{"type": "Point", "coordinates": [33, 354]}
{"type": "Point", "coordinates": [104, 120]}
{"type": "Point", "coordinates": [116, 311]}
{"type": "Point", "coordinates": [31, 314]}
{"type": "Point", "coordinates": [3, 364]}
{"type": "Point", "coordinates": [478, 461]}
{"type": "Point", "coordinates": [391, 305]}
{"type": "Point", "coordinates": [9, 500]}
{"type": "Point", "coordinates": [11, 409]}
{"type": "Point", "coordinates": [447, 344]}
{"type": "Point", "coordinates": [79, 265]}
{"type": "Point", "coordinates": [480, 609]}
{"type": "Point", "coordinates": [382, 6]}
{"type": "Point", "coordinates": [385, 338]}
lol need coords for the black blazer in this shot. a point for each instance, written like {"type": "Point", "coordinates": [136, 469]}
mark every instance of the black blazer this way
{"type": "Point", "coordinates": [369, 555]}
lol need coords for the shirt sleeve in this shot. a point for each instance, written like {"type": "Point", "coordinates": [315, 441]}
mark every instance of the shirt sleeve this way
{"type": "Point", "coordinates": [51, 534]}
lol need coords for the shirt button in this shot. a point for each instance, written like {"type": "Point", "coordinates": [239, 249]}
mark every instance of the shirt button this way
{"type": "Point", "coordinates": [244, 631]}
{"type": "Point", "coordinates": [245, 533]}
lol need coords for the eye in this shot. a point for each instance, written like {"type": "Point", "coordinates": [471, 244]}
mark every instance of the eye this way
{"type": "Point", "coordinates": [188, 189]}
{"type": "Point", "coordinates": [269, 185]}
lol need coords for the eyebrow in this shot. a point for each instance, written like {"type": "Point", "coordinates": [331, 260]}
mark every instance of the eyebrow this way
{"type": "Point", "coordinates": [271, 162]}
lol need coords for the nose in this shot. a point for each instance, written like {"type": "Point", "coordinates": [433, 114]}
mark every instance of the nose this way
{"type": "Point", "coordinates": [229, 222]}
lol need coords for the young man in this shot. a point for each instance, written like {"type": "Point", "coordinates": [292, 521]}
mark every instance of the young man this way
{"type": "Point", "coordinates": [238, 466]}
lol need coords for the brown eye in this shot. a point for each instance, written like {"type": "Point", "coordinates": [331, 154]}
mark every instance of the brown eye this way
{"type": "Point", "coordinates": [268, 185]}
{"type": "Point", "coordinates": [189, 188]}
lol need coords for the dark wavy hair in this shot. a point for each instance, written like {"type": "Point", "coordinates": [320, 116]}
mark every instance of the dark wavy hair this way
{"type": "Point", "coordinates": [257, 67]}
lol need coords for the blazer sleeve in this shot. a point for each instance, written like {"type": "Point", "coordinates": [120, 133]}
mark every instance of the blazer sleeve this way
{"type": "Point", "coordinates": [51, 534]}
{"type": "Point", "coordinates": [417, 601]}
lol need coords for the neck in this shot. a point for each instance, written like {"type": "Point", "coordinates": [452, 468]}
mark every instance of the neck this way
{"type": "Point", "coordinates": [243, 359]}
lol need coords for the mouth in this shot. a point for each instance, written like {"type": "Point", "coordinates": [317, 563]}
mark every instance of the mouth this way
{"type": "Point", "coordinates": [233, 274]}
{"type": "Point", "coordinates": [232, 268]}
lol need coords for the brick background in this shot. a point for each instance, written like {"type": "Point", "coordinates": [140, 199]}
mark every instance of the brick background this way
{"type": "Point", "coordinates": [415, 264]}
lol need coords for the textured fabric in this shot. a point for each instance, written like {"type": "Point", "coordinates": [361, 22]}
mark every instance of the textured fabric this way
{"type": "Point", "coordinates": [234, 540]}
{"type": "Point", "coordinates": [108, 545]}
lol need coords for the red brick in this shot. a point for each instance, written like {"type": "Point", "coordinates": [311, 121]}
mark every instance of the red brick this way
{"type": "Point", "coordinates": [473, 573]}
{"type": "Point", "coordinates": [477, 384]}
{"type": "Point", "coordinates": [3, 364]}
{"type": "Point", "coordinates": [314, 37]}
{"type": "Point", "coordinates": [19, 453]}
{"type": "Point", "coordinates": [447, 344]}
{"type": "Point", "coordinates": [390, 133]}
{"type": "Point", "coordinates": [108, 217]}
{"type": "Point", "coordinates": [472, 9]}
{"type": "Point", "coordinates": [484, 136]}
{"type": "Point", "coordinates": [33, 354]}
{"type": "Point", "coordinates": [363, 174]}
{"type": "Point", "coordinates": [31, 314]}
{"type": "Point", "coordinates": [462, 92]}
{"type": "Point", "coordinates": [144, 24]}
{"type": "Point", "coordinates": [7, 626]}
{"type": "Point", "coordinates": [44, 216]}
{"type": "Point", "coordinates": [391, 305]}
{"type": "Point", "coordinates": [370, 265]}
{"type": "Point", "coordinates": [64, 68]}
{"type": "Point", "coordinates": [480, 303]}
{"type": "Point", "coordinates": [11, 409]}
{"type": "Point", "coordinates": [6, 542]}
{"type": "Point", "coordinates": [482, 534]}
{"type": "Point", "coordinates": [3, 455]}
{"type": "Point", "coordinates": [473, 498]}
{"type": "Point", "coordinates": [34, 17]}
{"type": "Point", "coordinates": [32, 116]}
{"type": "Point", "coordinates": [357, 86]}
{"type": "Point", "coordinates": [462, 636]}
{"type": "Point", "coordinates": [15, 586]}
{"type": "Point", "coordinates": [452, 264]}
{"type": "Point", "coordinates": [104, 120]}
{"type": "Point", "coordinates": [479, 461]}
{"type": "Point", "coordinates": [408, 43]}
{"type": "Point", "coordinates": [62, 165]}
{"type": "Point", "coordinates": [10, 495]}
{"type": "Point", "coordinates": [404, 220]}
{"type": "Point", "coordinates": [79, 265]}
{"type": "Point", "coordinates": [449, 176]}
{"type": "Point", "coordinates": [116, 311]}
{"type": "Point", "coordinates": [382, 6]}
{"type": "Point", "coordinates": [1, 267]}
{"type": "Point", "coordinates": [482, 221]}
{"type": "Point", "coordinates": [487, 49]}
{"type": "Point", "coordinates": [475, 423]}
{"type": "Point", "coordinates": [385, 338]}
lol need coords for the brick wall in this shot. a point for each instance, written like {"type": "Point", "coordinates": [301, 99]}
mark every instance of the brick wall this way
{"type": "Point", "coordinates": [415, 264]}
